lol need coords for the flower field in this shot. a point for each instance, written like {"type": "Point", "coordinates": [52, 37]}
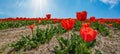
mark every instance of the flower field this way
{"type": "Point", "coordinates": [80, 35]}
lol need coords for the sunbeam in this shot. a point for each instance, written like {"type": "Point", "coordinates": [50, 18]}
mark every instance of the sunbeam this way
{"type": "Point", "coordinates": [39, 6]}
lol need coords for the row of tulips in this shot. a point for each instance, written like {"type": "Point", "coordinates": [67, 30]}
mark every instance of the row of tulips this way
{"type": "Point", "coordinates": [48, 16]}
{"type": "Point", "coordinates": [68, 24]}
{"type": "Point", "coordinates": [15, 24]}
{"type": "Point", "coordinates": [40, 37]}
{"type": "Point", "coordinates": [79, 16]}
{"type": "Point", "coordinates": [18, 23]}
{"type": "Point", "coordinates": [114, 24]}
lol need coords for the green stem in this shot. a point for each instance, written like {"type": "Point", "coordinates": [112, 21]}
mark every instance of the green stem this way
{"type": "Point", "coordinates": [32, 33]}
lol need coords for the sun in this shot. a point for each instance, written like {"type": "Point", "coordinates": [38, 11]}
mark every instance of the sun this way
{"type": "Point", "coordinates": [39, 6]}
{"type": "Point", "coordinates": [39, 3]}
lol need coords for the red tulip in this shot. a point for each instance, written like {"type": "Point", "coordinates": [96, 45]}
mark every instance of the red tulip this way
{"type": "Point", "coordinates": [85, 24]}
{"type": "Point", "coordinates": [68, 24]}
{"type": "Point", "coordinates": [92, 19]}
{"type": "Point", "coordinates": [48, 16]}
{"type": "Point", "coordinates": [3, 21]}
{"type": "Point", "coordinates": [32, 26]}
{"type": "Point", "coordinates": [109, 24]}
{"type": "Point", "coordinates": [39, 21]}
{"type": "Point", "coordinates": [55, 20]}
{"type": "Point", "coordinates": [102, 21]}
{"type": "Point", "coordinates": [84, 15]}
{"type": "Point", "coordinates": [117, 22]}
{"type": "Point", "coordinates": [88, 34]}
{"type": "Point", "coordinates": [81, 15]}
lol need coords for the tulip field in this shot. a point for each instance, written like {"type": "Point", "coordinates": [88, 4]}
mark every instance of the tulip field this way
{"type": "Point", "coordinates": [80, 35]}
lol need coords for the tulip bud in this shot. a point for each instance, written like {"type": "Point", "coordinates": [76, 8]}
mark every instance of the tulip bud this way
{"type": "Point", "coordinates": [32, 26]}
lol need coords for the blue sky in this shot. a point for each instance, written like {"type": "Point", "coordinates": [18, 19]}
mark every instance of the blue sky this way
{"type": "Point", "coordinates": [59, 8]}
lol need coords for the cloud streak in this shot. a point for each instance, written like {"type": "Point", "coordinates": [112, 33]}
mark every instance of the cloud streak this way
{"type": "Point", "coordinates": [112, 3]}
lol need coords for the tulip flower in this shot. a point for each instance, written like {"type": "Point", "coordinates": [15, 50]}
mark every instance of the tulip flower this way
{"type": "Point", "coordinates": [55, 20]}
{"type": "Point", "coordinates": [39, 21]}
{"type": "Point", "coordinates": [81, 15]}
{"type": "Point", "coordinates": [102, 21]}
{"type": "Point", "coordinates": [84, 15]}
{"type": "Point", "coordinates": [87, 33]}
{"type": "Point", "coordinates": [85, 24]}
{"type": "Point", "coordinates": [92, 19]}
{"type": "Point", "coordinates": [3, 21]}
{"type": "Point", "coordinates": [68, 24]}
{"type": "Point", "coordinates": [31, 27]}
{"type": "Point", "coordinates": [48, 16]}
{"type": "Point", "coordinates": [109, 24]}
{"type": "Point", "coordinates": [117, 22]}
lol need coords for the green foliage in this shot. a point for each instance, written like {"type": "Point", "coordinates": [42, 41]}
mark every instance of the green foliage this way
{"type": "Point", "coordinates": [40, 37]}
{"type": "Point", "coordinates": [15, 24]}
{"type": "Point", "coordinates": [114, 24]}
{"type": "Point", "coordinates": [76, 45]}
{"type": "Point", "coordinates": [101, 28]}
{"type": "Point", "coordinates": [44, 22]}
{"type": "Point", "coordinates": [60, 29]}
{"type": "Point", "coordinates": [77, 25]}
{"type": "Point", "coordinates": [24, 43]}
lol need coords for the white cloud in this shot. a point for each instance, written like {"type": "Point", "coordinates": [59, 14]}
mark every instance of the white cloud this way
{"type": "Point", "coordinates": [112, 3]}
